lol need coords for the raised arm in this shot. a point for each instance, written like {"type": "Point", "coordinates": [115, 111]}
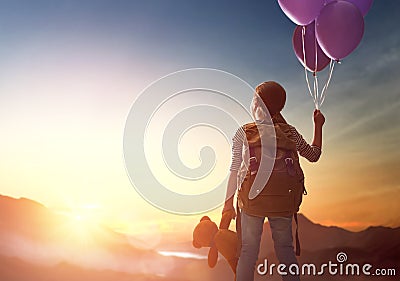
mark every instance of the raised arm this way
{"type": "Point", "coordinates": [311, 152]}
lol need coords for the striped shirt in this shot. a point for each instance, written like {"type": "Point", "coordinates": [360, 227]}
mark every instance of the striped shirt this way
{"type": "Point", "coordinates": [310, 152]}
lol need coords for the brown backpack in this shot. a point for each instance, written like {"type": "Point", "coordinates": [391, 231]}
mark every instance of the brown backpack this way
{"type": "Point", "coordinates": [281, 194]}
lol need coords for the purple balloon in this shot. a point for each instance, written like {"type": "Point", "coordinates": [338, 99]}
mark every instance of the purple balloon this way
{"type": "Point", "coordinates": [362, 5]}
{"type": "Point", "coordinates": [339, 29]}
{"type": "Point", "coordinates": [309, 46]}
{"type": "Point", "coordinates": [301, 12]}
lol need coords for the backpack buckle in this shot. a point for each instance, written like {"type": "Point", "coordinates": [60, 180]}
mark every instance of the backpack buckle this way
{"type": "Point", "coordinates": [288, 161]}
{"type": "Point", "coordinates": [290, 166]}
{"type": "Point", "coordinates": [253, 165]}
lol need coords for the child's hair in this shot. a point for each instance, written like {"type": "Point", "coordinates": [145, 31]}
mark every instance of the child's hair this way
{"type": "Point", "coordinates": [273, 96]}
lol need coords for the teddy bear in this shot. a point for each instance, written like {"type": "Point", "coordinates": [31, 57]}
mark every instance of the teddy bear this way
{"type": "Point", "coordinates": [222, 240]}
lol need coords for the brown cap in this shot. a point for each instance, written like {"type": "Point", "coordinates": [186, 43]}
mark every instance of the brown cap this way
{"type": "Point", "coordinates": [273, 95]}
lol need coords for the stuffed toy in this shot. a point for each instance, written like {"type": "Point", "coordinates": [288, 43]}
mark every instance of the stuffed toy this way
{"type": "Point", "coordinates": [222, 240]}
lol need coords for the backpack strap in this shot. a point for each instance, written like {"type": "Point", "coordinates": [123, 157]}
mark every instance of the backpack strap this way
{"type": "Point", "coordinates": [253, 161]}
{"type": "Point", "coordinates": [253, 165]}
{"type": "Point", "coordinates": [298, 249]}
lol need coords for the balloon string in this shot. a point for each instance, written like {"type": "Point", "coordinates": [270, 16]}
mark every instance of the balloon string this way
{"type": "Point", "coordinates": [315, 48]}
{"type": "Point", "coordinates": [323, 92]}
{"type": "Point", "coordinates": [318, 97]}
{"type": "Point", "coordinates": [305, 68]}
{"type": "Point", "coordinates": [316, 87]}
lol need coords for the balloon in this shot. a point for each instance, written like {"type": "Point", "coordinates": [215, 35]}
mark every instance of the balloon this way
{"type": "Point", "coordinates": [309, 46]}
{"type": "Point", "coordinates": [339, 29]}
{"type": "Point", "coordinates": [362, 5]}
{"type": "Point", "coordinates": [301, 12]}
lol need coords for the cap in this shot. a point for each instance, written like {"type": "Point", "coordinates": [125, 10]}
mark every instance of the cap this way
{"type": "Point", "coordinates": [273, 95]}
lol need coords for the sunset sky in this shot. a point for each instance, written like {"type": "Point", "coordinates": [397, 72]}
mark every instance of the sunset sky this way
{"type": "Point", "coordinates": [70, 71]}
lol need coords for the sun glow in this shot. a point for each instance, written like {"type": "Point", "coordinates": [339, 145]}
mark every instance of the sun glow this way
{"type": "Point", "coordinates": [88, 213]}
{"type": "Point", "coordinates": [83, 225]}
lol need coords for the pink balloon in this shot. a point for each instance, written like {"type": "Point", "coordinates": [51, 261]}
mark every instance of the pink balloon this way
{"type": "Point", "coordinates": [362, 5]}
{"type": "Point", "coordinates": [301, 12]}
{"type": "Point", "coordinates": [339, 29]}
{"type": "Point", "coordinates": [309, 46]}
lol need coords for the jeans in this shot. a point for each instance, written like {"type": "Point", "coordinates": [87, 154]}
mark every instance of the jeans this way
{"type": "Point", "coordinates": [252, 227]}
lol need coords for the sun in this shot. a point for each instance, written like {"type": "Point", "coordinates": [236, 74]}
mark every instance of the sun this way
{"type": "Point", "coordinates": [83, 225]}
{"type": "Point", "coordinates": [86, 213]}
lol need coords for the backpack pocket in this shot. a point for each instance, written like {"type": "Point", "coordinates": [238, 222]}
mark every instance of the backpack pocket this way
{"type": "Point", "coordinates": [281, 196]}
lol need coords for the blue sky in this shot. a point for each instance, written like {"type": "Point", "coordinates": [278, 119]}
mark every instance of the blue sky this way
{"type": "Point", "coordinates": [70, 71]}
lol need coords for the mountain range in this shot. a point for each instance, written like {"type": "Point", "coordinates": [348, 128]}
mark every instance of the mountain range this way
{"type": "Point", "coordinates": [38, 244]}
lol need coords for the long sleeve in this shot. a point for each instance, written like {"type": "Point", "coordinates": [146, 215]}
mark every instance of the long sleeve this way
{"type": "Point", "coordinates": [310, 152]}
{"type": "Point", "coordinates": [237, 147]}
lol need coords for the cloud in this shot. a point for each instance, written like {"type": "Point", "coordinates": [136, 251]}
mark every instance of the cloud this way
{"type": "Point", "coordinates": [385, 60]}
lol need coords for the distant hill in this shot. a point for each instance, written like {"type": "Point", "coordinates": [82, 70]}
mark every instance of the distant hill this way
{"type": "Point", "coordinates": [28, 220]}
{"type": "Point", "coordinates": [31, 232]}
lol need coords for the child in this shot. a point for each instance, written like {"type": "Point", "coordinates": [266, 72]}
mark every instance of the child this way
{"type": "Point", "coordinates": [272, 97]}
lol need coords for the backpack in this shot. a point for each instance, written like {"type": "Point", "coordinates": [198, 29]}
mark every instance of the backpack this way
{"type": "Point", "coordinates": [281, 194]}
